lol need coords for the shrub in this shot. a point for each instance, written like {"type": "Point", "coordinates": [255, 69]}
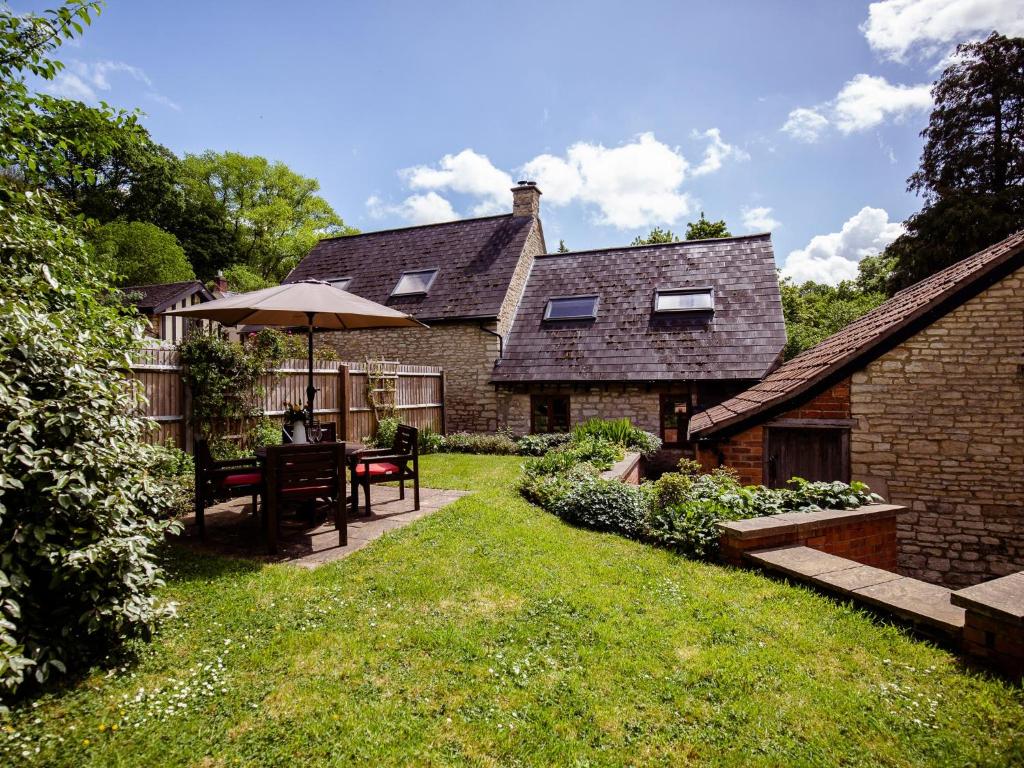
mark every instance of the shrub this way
{"type": "Point", "coordinates": [821, 495]}
{"type": "Point", "coordinates": [547, 490]}
{"type": "Point", "coordinates": [174, 470]}
{"type": "Point", "coordinates": [471, 442]}
{"type": "Point", "coordinates": [430, 441]}
{"type": "Point", "coordinates": [80, 514]}
{"type": "Point", "coordinates": [538, 445]}
{"type": "Point", "coordinates": [689, 527]}
{"type": "Point", "coordinates": [599, 452]}
{"type": "Point", "coordinates": [387, 428]}
{"type": "Point", "coordinates": [620, 432]}
{"type": "Point", "coordinates": [264, 432]}
{"type": "Point", "coordinates": [604, 505]}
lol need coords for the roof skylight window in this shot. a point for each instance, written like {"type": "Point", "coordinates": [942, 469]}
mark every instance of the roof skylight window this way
{"type": "Point", "coordinates": [414, 283]}
{"type": "Point", "coordinates": [571, 308]}
{"type": "Point", "coordinates": [684, 300]}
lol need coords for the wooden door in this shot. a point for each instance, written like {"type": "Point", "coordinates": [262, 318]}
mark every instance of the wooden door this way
{"type": "Point", "coordinates": [811, 453]}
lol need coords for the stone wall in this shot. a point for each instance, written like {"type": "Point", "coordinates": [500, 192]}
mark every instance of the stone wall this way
{"type": "Point", "coordinates": [463, 350]}
{"type": "Point", "coordinates": [638, 403]}
{"type": "Point", "coordinates": [744, 452]}
{"type": "Point", "coordinates": [940, 429]}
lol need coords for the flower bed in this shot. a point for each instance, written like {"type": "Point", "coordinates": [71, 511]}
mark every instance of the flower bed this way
{"type": "Point", "coordinates": [680, 510]}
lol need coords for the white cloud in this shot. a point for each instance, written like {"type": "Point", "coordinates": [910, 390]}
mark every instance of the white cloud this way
{"type": "Point", "coordinates": [867, 100]}
{"type": "Point", "coordinates": [68, 85]}
{"type": "Point", "coordinates": [864, 102]}
{"type": "Point", "coordinates": [805, 124]}
{"type": "Point", "coordinates": [83, 81]}
{"type": "Point", "coordinates": [896, 27]}
{"type": "Point", "coordinates": [469, 173]}
{"type": "Point", "coordinates": [834, 257]}
{"type": "Point", "coordinates": [716, 152]}
{"type": "Point", "coordinates": [428, 208]}
{"type": "Point", "coordinates": [634, 185]}
{"type": "Point", "coordinates": [760, 219]}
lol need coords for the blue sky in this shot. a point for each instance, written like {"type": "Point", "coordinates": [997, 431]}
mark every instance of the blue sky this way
{"type": "Point", "coordinates": [802, 118]}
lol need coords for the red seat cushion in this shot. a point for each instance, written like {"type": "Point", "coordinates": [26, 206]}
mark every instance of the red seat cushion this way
{"type": "Point", "coordinates": [247, 478]}
{"type": "Point", "coordinates": [382, 468]}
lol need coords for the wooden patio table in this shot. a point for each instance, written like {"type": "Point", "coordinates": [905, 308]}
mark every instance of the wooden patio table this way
{"type": "Point", "coordinates": [352, 450]}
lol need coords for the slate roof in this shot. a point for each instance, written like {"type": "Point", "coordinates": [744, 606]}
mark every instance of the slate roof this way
{"type": "Point", "coordinates": [862, 341]}
{"type": "Point", "coordinates": [475, 259]}
{"type": "Point", "coordinates": [154, 299]}
{"type": "Point", "coordinates": [741, 339]}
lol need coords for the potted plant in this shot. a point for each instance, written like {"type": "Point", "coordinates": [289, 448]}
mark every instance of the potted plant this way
{"type": "Point", "coordinates": [295, 422]}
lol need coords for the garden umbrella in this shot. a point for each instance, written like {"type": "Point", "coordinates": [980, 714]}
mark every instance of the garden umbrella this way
{"type": "Point", "coordinates": [310, 303]}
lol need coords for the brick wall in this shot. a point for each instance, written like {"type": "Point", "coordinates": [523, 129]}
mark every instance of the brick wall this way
{"type": "Point", "coordinates": [744, 452]}
{"type": "Point", "coordinates": [940, 429]}
{"type": "Point", "coordinates": [866, 536]}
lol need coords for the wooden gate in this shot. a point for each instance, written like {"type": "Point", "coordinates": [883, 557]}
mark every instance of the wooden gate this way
{"type": "Point", "coordinates": [813, 453]}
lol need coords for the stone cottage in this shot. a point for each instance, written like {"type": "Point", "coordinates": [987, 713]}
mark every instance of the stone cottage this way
{"type": "Point", "coordinates": [539, 342]}
{"type": "Point", "coordinates": [923, 399]}
{"type": "Point", "coordinates": [462, 278]}
{"type": "Point", "coordinates": [651, 333]}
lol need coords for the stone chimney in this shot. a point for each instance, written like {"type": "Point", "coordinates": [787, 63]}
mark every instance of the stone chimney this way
{"type": "Point", "coordinates": [526, 199]}
{"type": "Point", "coordinates": [220, 283]}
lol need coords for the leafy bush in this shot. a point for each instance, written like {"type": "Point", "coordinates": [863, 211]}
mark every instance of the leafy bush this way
{"type": "Point", "coordinates": [538, 445]}
{"type": "Point", "coordinates": [264, 432]}
{"type": "Point", "coordinates": [604, 505]}
{"type": "Point", "coordinates": [547, 490]}
{"type": "Point", "coordinates": [618, 431]}
{"type": "Point", "coordinates": [387, 428]}
{"type": "Point", "coordinates": [601, 453]}
{"type": "Point", "coordinates": [80, 515]}
{"type": "Point", "coordinates": [430, 441]}
{"type": "Point", "coordinates": [174, 470]}
{"type": "Point", "coordinates": [471, 442]}
{"type": "Point", "coordinates": [822, 495]}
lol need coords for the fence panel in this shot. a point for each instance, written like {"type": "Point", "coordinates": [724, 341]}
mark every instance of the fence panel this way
{"type": "Point", "coordinates": [341, 395]}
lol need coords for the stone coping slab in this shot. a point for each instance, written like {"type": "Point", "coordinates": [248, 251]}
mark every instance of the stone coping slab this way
{"type": "Point", "coordinates": [1001, 598]}
{"type": "Point", "coordinates": [622, 468]}
{"type": "Point", "coordinates": [907, 598]}
{"type": "Point", "coordinates": [805, 522]}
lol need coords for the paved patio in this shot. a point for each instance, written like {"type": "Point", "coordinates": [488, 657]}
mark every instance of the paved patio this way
{"type": "Point", "coordinates": [232, 530]}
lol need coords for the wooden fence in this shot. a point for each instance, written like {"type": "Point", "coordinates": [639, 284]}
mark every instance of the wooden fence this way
{"type": "Point", "coordinates": [341, 398]}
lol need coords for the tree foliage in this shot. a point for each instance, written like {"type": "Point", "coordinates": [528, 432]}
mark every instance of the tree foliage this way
{"type": "Point", "coordinates": [274, 213]}
{"type": "Point", "coordinates": [139, 253]}
{"type": "Point", "coordinates": [814, 311]}
{"type": "Point", "coordinates": [656, 237]}
{"type": "Point", "coordinates": [702, 229]}
{"type": "Point", "coordinates": [79, 511]}
{"type": "Point", "coordinates": [972, 167]}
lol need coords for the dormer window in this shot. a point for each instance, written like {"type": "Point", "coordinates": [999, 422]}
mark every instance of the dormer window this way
{"type": "Point", "coordinates": [571, 308]}
{"type": "Point", "coordinates": [415, 283]}
{"type": "Point", "coordinates": [341, 283]}
{"type": "Point", "coordinates": [684, 300]}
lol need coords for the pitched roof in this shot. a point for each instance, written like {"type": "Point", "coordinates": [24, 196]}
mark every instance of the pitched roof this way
{"type": "Point", "coordinates": [863, 340]}
{"type": "Point", "coordinates": [627, 341]}
{"type": "Point", "coordinates": [475, 259]}
{"type": "Point", "coordinates": [155, 298]}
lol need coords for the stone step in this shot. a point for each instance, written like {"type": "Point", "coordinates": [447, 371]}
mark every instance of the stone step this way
{"type": "Point", "coordinates": [916, 601]}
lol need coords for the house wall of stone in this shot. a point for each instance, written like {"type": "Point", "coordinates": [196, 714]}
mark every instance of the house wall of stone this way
{"type": "Point", "coordinates": [744, 451]}
{"type": "Point", "coordinates": [940, 429]}
{"type": "Point", "coordinates": [463, 350]}
{"type": "Point", "coordinates": [637, 403]}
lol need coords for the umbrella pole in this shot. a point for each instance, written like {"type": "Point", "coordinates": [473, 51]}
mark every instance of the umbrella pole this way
{"type": "Point", "coordinates": [310, 390]}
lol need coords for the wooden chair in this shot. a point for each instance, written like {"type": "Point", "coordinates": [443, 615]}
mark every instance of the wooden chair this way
{"type": "Point", "coordinates": [223, 479]}
{"type": "Point", "coordinates": [385, 465]}
{"type": "Point", "coordinates": [306, 472]}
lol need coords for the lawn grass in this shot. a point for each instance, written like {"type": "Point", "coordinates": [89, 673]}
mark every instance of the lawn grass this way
{"type": "Point", "coordinates": [493, 634]}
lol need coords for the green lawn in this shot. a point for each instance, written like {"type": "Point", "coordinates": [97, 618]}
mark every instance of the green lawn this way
{"type": "Point", "coordinates": [492, 633]}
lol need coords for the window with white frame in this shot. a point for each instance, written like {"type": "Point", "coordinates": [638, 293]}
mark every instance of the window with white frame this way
{"type": "Point", "coordinates": [571, 308]}
{"type": "Point", "coordinates": [415, 282]}
{"type": "Point", "coordinates": [684, 300]}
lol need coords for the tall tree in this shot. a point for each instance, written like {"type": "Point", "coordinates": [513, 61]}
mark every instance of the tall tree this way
{"type": "Point", "coordinates": [562, 247]}
{"type": "Point", "coordinates": [702, 229]}
{"type": "Point", "coordinates": [814, 311]}
{"type": "Point", "coordinates": [275, 213]}
{"type": "Point", "coordinates": [656, 237]}
{"type": "Point", "coordinates": [140, 253]}
{"type": "Point", "coordinates": [972, 167]}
